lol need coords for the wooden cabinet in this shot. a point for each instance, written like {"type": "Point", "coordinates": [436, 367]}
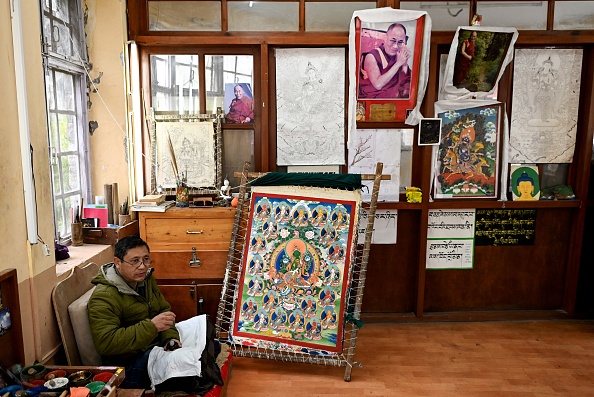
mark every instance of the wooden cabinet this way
{"type": "Point", "coordinates": [189, 247]}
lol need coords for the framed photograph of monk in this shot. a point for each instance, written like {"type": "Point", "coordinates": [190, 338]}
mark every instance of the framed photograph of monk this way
{"type": "Point", "coordinates": [388, 61]}
{"type": "Point", "coordinates": [296, 269]}
{"type": "Point", "coordinates": [477, 59]}
{"type": "Point", "coordinates": [239, 103]}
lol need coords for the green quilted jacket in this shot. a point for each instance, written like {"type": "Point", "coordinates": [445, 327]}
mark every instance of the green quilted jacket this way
{"type": "Point", "coordinates": [120, 318]}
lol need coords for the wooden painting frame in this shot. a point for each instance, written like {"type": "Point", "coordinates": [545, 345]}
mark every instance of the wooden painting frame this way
{"type": "Point", "coordinates": [467, 163]}
{"type": "Point", "coordinates": [387, 105]}
{"type": "Point", "coordinates": [296, 268]}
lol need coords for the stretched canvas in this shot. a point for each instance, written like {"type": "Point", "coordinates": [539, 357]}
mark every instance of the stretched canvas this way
{"type": "Point", "coordinates": [296, 268]}
{"type": "Point", "coordinates": [194, 149]}
{"type": "Point", "coordinates": [545, 105]}
{"type": "Point", "coordinates": [310, 85]}
{"type": "Point", "coordinates": [467, 163]}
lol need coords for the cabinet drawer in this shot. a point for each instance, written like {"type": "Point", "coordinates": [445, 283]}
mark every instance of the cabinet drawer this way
{"type": "Point", "coordinates": [183, 234]}
{"type": "Point", "coordinates": [177, 264]}
{"type": "Point", "coordinates": [189, 300]}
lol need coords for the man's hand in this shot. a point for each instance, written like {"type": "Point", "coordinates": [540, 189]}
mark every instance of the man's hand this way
{"type": "Point", "coordinates": [163, 321]}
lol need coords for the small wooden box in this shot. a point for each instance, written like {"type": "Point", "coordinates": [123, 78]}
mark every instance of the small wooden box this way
{"type": "Point", "coordinates": [108, 235]}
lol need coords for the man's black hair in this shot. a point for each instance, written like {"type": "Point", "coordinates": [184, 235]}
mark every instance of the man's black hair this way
{"type": "Point", "coordinates": [127, 243]}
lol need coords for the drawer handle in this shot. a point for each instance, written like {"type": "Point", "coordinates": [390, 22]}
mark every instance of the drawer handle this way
{"type": "Point", "coordinates": [194, 231]}
{"type": "Point", "coordinates": [195, 261]}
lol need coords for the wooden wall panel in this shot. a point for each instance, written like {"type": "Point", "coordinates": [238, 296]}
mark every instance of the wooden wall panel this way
{"type": "Point", "coordinates": [508, 277]}
{"type": "Point", "coordinates": [391, 268]}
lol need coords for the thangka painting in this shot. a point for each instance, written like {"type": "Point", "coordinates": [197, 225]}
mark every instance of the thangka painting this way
{"type": "Point", "coordinates": [545, 105]}
{"type": "Point", "coordinates": [296, 269]}
{"type": "Point", "coordinates": [467, 163]}
{"type": "Point", "coordinates": [194, 150]}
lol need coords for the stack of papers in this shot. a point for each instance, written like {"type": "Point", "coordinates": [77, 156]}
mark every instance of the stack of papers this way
{"type": "Point", "coordinates": [151, 200]}
{"type": "Point", "coordinates": [152, 208]}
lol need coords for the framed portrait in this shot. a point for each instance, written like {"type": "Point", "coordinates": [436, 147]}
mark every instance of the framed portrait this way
{"type": "Point", "coordinates": [388, 63]}
{"type": "Point", "coordinates": [467, 163]}
{"type": "Point", "coordinates": [239, 103]}
{"type": "Point", "coordinates": [477, 59]}
{"type": "Point", "coordinates": [429, 131]}
{"type": "Point", "coordinates": [296, 269]}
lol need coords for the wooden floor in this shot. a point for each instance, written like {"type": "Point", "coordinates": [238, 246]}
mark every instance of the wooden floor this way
{"type": "Point", "coordinates": [531, 358]}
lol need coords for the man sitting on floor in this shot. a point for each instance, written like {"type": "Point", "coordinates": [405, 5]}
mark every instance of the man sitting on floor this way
{"type": "Point", "coordinates": [133, 326]}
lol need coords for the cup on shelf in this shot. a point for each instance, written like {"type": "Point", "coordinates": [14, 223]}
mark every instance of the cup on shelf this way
{"type": "Point", "coordinates": [76, 233]}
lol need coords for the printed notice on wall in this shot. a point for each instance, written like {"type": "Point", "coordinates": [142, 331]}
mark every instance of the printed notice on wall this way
{"type": "Point", "coordinates": [384, 227]}
{"type": "Point", "coordinates": [450, 239]}
{"type": "Point", "coordinates": [505, 227]}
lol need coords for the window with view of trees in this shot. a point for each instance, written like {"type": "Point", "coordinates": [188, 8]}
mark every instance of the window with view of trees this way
{"type": "Point", "coordinates": [64, 63]}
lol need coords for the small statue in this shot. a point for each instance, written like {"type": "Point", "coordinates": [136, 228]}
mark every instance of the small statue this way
{"type": "Point", "coordinates": [226, 190]}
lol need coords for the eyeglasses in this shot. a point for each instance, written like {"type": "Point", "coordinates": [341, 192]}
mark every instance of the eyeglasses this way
{"type": "Point", "coordinates": [135, 263]}
{"type": "Point", "coordinates": [398, 43]}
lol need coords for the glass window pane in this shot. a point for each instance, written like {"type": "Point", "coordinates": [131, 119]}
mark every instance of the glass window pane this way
{"type": "Point", "coordinates": [65, 91]}
{"type": "Point", "coordinates": [60, 217]}
{"type": "Point", "coordinates": [508, 14]}
{"type": "Point", "coordinates": [60, 8]}
{"type": "Point", "coordinates": [263, 16]}
{"type": "Point", "coordinates": [444, 16]}
{"type": "Point", "coordinates": [223, 72]}
{"type": "Point", "coordinates": [332, 17]}
{"type": "Point", "coordinates": [174, 83]}
{"type": "Point", "coordinates": [56, 179]}
{"type": "Point", "coordinates": [238, 147]}
{"type": "Point", "coordinates": [53, 127]}
{"type": "Point", "coordinates": [570, 15]}
{"type": "Point", "coordinates": [184, 15]}
{"type": "Point", "coordinates": [70, 173]}
{"type": "Point", "coordinates": [61, 40]}
{"type": "Point", "coordinates": [68, 133]}
{"type": "Point", "coordinates": [49, 87]}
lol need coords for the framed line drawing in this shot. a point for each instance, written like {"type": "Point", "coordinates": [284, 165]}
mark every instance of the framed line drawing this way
{"type": "Point", "coordinates": [388, 58]}
{"type": "Point", "coordinates": [467, 161]}
{"type": "Point", "coordinates": [310, 86]}
{"type": "Point", "coordinates": [194, 148]}
{"type": "Point", "coordinates": [429, 131]}
{"type": "Point", "coordinates": [296, 269]}
{"type": "Point", "coordinates": [545, 103]}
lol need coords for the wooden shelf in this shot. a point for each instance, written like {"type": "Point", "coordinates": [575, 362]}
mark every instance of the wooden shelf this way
{"type": "Point", "coordinates": [463, 203]}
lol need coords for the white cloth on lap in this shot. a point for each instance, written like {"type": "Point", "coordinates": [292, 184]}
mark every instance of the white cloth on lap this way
{"type": "Point", "coordinates": [163, 365]}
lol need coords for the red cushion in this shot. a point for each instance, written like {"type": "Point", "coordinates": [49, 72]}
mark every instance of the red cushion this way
{"type": "Point", "coordinates": [217, 390]}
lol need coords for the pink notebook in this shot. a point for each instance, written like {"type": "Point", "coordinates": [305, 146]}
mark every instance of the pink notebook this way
{"type": "Point", "coordinates": [96, 211]}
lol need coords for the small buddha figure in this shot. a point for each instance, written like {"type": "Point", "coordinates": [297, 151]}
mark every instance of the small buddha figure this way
{"type": "Point", "coordinates": [525, 186]}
